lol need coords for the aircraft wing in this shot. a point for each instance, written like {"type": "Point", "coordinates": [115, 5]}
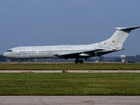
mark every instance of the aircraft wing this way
{"type": "Point", "coordinates": [80, 54]}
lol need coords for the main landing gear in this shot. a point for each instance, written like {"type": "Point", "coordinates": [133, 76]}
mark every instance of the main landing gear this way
{"type": "Point", "coordinates": [78, 61]}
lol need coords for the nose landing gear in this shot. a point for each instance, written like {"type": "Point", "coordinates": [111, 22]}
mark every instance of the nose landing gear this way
{"type": "Point", "coordinates": [19, 61]}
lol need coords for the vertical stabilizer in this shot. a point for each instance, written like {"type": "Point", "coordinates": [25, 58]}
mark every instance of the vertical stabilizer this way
{"type": "Point", "coordinates": [118, 38]}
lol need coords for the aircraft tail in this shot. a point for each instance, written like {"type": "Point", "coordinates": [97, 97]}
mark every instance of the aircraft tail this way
{"type": "Point", "coordinates": [119, 37]}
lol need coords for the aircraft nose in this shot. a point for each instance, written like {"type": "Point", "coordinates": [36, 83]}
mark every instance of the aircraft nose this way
{"type": "Point", "coordinates": [5, 54]}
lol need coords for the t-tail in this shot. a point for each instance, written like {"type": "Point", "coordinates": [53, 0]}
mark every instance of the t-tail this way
{"type": "Point", "coordinates": [118, 38]}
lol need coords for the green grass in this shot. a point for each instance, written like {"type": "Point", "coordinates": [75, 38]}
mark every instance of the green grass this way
{"type": "Point", "coordinates": [70, 84]}
{"type": "Point", "coordinates": [71, 66]}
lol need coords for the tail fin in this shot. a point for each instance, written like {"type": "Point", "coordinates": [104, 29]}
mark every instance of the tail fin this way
{"type": "Point", "coordinates": [119, 37]}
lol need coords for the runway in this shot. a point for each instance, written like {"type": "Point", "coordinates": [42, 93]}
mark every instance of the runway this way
{"type": "Point", "coordinates": [69, 71]}
{"type": "Point", "coordinates": [69, 100]}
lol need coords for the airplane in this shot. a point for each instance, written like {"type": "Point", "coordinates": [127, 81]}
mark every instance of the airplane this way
{"type": "Point", "coordinates": [78, 52]}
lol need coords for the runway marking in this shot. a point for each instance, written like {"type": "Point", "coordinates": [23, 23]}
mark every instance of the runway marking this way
{"type": "Point", "coordinates": [69, 71]}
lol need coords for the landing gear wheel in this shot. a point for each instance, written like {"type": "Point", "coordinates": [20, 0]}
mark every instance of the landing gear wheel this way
{"type": "Point", "coordinates": [19, 61]}
{"type": "Point", "coordinates": [81, 61]}
{"type": "Point", "coordinates": [76, 61]}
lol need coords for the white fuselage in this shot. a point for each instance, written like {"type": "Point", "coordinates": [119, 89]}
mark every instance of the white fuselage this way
{"type": "Point", "coordinates": [46, 51]}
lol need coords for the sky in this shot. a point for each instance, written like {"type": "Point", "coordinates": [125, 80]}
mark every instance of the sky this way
{"type": "Point", "coordinates": [67, 22]}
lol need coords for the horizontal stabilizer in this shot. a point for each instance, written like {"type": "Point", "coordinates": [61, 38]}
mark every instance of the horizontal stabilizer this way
{"type": "Point", "coordinates": [127, 28]}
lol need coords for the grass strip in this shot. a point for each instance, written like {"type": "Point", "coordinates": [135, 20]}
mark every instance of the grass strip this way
{"type": "Point", "coordinates": [70, 84]}
{"type": "Point", "coordinates": [71, 66]}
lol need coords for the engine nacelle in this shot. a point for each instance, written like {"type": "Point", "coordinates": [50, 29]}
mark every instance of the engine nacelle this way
{"type": "Point", "coordinates": [84, 55]}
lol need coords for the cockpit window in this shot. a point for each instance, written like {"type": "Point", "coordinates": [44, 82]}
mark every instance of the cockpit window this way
{"type": "Point", "coordinates": [9, 50]}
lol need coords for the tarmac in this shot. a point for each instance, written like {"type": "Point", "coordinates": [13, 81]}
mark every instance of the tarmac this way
{"type": "Point", "coordinates": [69, 71]}
{"type": "Point", "coordinates": [69, 100]}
